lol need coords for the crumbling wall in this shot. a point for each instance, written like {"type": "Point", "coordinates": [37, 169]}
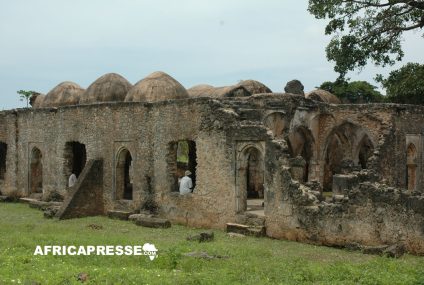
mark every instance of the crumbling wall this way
{"type": "Point", "coordinates": [8, 136]}
{"type": "Point", "coordinates": [364, 213]}
{"type": "Point", "coordinates": [83, 198]}
{"type": "Point", "coordinates": [221, 130]}
{"type": "Point", "coordinates": [212, 202]}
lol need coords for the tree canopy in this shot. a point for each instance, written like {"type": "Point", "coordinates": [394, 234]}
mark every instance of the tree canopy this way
{"type": "Point", "coordinates": [26, 95]}
{"type": "Point", "coordinates": [405, 85]}
{"type": "Point", "coordinates": [359, 92]}
{"type": "Point", "coordinates": [367, 29]}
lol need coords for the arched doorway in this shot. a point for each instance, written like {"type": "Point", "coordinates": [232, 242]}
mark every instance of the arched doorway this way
{"type": "Point", "coordinates": [300, 143]}
{"type": "Point", "coordinates": [250, 178]}
{"type": "Point", "coordinates": [36, 171]}
{"type": "Point", "coordinates": [124, 175]}
{"type": "Point", "coordinates": [338, 148]}
{"type": "Point", "coordinates": [254, 175]}
{"type": "Point", "coordinates": [411, 167]}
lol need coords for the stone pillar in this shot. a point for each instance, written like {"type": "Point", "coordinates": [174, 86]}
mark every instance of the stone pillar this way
{"type": "Point", "coordinates": [297, 168]}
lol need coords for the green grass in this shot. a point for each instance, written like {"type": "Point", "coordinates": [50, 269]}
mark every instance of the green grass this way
{"type": "Point", "coordinates": [251, 260]}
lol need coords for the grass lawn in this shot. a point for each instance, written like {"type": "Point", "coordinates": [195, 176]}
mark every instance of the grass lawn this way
{"type": "Point", "coordinates": [251, 260]}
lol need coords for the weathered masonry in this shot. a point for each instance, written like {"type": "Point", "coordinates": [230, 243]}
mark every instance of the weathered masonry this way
{"type": "Point", "coordinates": [326, 173]}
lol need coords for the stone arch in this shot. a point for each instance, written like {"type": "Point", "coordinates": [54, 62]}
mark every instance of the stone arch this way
{"type": "Point", "coordinates": [124, 175]}
{"type": "Point", "coordinates": [250, 176]}
{"type": "Point", "coordinates": [36, 171]}
{"type": "Point", "coordinates": [277, 123]}
{"type": "Point", "coordinates": [301, 143]}
{"type": "Point", "coordinates": [411, 167]}
{"type": "Point", "coordinates": [338, 148]}
{"type": "Point", "coordinates": [3, 155]}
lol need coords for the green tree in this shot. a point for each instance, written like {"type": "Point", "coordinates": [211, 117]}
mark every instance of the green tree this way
{"type": "Point", "coordinates": [355, 92]}
{"type": "Point", "coordinates": [405, 85]}
{"type": "Point", "coordinates": [26, 95]}
{"type": "Point", "coordinates": [366, 30]}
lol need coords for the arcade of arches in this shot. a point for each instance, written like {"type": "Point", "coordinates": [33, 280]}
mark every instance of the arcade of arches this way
{"type": "Point", "coordinates": [347, 147]}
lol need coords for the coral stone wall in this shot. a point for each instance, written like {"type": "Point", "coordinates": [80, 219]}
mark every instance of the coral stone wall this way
{"type": "Point", "coordinates": [278, 127]}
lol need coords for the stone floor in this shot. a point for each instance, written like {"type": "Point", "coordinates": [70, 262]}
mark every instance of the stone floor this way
{"type": "Point", "coordinates": [255, 206]}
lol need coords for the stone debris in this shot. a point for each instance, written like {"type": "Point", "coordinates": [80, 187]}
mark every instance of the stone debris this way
{"type": "Point", "coordinates": [4, 199]}
{"type": "Point", "coordinates": [236, 235]}
{"type": "Point", "coordinates": [42, 205]}
{"type": "Point", "coordinates": [205, 255]}
{"type": "Point", "coordinates": [82, 277]}
{"type": "Point", "coordinates": [135, 217]}
{"type": "Point", "coordinates": [256, 231]}
{"type": "Point", "coordinates": [376, 250]}
{"type": "Point", "coordinates": [50, 212]}
{"type": "Point", "coordinates": [95, 227]}
{"type": "Point", "coordinates": [153, 222]}
{"type": "Point", "coordinates": [119, 215]}
{"type": "Point", "coordinates": [202, 237]}
{"type": "Point", "coordinates": [393, 251]}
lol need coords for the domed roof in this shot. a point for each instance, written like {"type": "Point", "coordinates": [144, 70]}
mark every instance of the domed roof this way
{"type": "Point", "coordinates": [36, 100]}
{"type": "Point", "coordinates": [254, 87]}
{"type": "Point", "coordinates": [66, 93]}
{"type": "Point", "coordinates": [107, 88]}
{"type": "Point", "coordinates": [158, 86]}
{"type": "Point", "coordinates": [204, 90]}
{"type": "Point", "coordinates": [323, 96]}
{"type": "Point", "coordinates": [201, 90]}
{"type": "Point", "coordinates": [232, 91]}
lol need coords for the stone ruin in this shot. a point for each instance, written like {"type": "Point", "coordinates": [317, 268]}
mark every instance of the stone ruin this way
{"type": "Point", "coordinates": [291, 166]}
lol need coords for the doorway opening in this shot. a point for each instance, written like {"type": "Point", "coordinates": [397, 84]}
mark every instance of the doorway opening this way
{"type": "Point", "coordinates": [124, 175]}
{"type": "Point", "coordinates": [75, 158]}
{"type": "Point", "coordinates": [411, 167]}
{"type": "Point", "coordinates": [36, 172]}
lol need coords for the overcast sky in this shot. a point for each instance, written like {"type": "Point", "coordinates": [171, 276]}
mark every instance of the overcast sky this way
{"type": "Point", "coordinates": [218, 42]}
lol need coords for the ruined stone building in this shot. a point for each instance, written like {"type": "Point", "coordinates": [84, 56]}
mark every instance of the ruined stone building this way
{"type": "Point", "coordinates": [327, 173]}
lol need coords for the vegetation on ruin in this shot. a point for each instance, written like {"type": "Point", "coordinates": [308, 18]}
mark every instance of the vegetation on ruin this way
{"type": "Point", "coordinates": [353, 92]}
{"type": "Point", "coordinates": [250, 260]}
{"type": "Point", "coordinates": [367, 30]}
{"type": "Point", "coordinates": [26, 95]}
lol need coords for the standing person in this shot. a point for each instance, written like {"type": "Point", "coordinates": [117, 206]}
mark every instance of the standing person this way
{"type": "Point", "coordinates": [72, 180]}
{"type": "Point", "coordinates": [186, 184]}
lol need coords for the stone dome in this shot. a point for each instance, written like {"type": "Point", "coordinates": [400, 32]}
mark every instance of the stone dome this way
{"type": "Point", "coordinates": [204, 90]}
{"type": "Point", "coordinates": [36, 100]}
{"type": "Point", "coordinates": [158, 86]}
{"type": "Point", "coordinates": [201, 90]}
{"type": "Point", "coordinates": [66, 93]}
{"type": "Point", "coordinates": [254, 87]}
{"type": "Point", "coordinates": [107, 88]}
{"type": "Point", "coordinates": [323, 96]}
